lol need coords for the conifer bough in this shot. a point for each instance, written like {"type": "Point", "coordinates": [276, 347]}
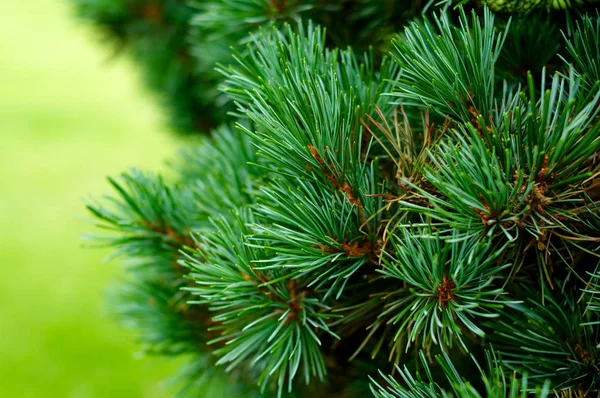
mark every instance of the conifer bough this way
{"type": "Point", "coordinates": [418, 218]}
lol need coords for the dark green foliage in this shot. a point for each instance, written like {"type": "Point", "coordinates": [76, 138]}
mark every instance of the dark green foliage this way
{"type": "Point", "coordinates": [267, 323]}
{"type": "Point", "coordinates": [496, 383]}
{"type": "Point", "coordinates": [582, 49]}
{"type": "Point", "coordinates": [521, 6]}
{"type": "Point", "coordinates": [155, 222]}
{"type": "Point", "coordinates": [434, 76]}
{"type": "Point", "coordinates": [433, 196]}
{"type": "Point", "coordinates": [525, 51]}
{"type": "Point", "coordinates": [551, 340]}
{"type": "Point", "coordinates": [449, 284]}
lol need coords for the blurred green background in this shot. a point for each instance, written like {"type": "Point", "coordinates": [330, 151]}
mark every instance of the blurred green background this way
{"type": "Point", "coordinates": [68, 117]}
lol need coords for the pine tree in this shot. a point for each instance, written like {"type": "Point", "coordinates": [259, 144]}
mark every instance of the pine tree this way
{"type": "Point", "coordinates": [416, 215]}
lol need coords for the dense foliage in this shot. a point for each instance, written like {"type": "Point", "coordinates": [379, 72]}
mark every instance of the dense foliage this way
{"type": "Point", "coordinates": [417, 215]}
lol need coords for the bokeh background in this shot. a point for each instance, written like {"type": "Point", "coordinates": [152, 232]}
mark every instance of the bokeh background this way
{"type": "Point", "coordinates": [69, 116]}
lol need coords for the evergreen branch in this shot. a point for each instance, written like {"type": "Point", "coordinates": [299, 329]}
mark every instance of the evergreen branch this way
{"type": "Point", "coordinates": [449, 69]}
{"type": "Point", "coordinates": [268, 324]}
{"type": "Point", "coordinates": [496, 382]}
{"type": "Point", "coordinates": [447, 283]}
{"type": "Point", "coordinates": [223, 172]}
{"type": "Point", "coordinates": [405, 146]}
{"type": "Point", "coordinates": [592, 295]}
{"type": "Point", "coordinates": [549, 340]}
{"type": "Point", "coordinates": [519, 175]}
{"type": "Point", "coordinates": [584, 49]}
{"type": "Point", "coordinates": [222, 20]}
{"type": "Point", "coordinates": [474, 193]}
{"type": "Point", "coordinates": [563, 120]}
{"type": "Point", "coordinates": [306, 101]}
{"type": "Point", "coordinates": [316, 234]}
{"type": "Point", "coordinates": [300, 244]}
{"type": "Point", "coordinates": [150, 222]}
{"type": "Point", "coordinates": [201, 378]}
{"type": "Point", "coordinates": [161, 314]}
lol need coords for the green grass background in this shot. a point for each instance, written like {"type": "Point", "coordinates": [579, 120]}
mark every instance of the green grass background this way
{"type": "Point", "coordinates": [68, 118]}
